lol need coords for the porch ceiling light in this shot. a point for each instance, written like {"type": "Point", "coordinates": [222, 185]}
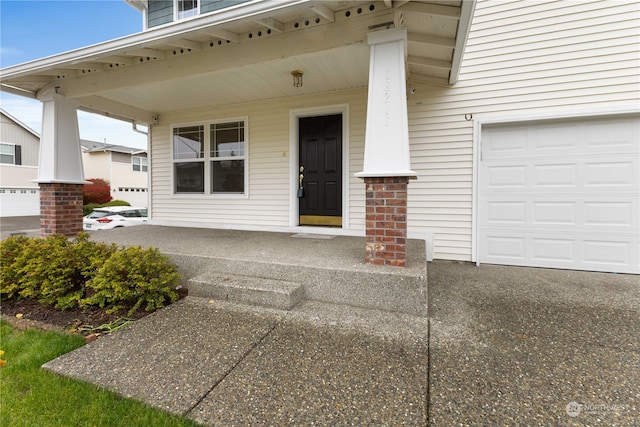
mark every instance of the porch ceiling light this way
{"type": "Point", "coordinates": [297, 78]}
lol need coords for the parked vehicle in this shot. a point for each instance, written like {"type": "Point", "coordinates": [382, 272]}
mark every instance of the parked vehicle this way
{"type": "Point", "coordinates": [113, 217]}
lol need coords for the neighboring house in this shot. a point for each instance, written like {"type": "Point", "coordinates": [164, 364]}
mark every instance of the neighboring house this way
{"type": "Point", "coordinates": [125, 168]}
{"type": "Point", "coordinates": [504, 132]}
{"type": "Point", "coordinates": [19, 145]}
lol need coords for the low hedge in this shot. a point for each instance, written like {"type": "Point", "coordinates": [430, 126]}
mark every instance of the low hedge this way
{"type": "Point", "coordinates": [80, 273]}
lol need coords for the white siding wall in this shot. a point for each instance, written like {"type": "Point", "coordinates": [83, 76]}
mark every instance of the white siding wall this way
{"type": "Point", "coordinates": [268, 204]}
{"type": "Point", "coordinates": [96, 165]}
{"type": "Point", "coordinates": [127, 184]}
{"type": "Point", "coordinates": [13, 133]}
{"type": "Point", "coordinates": [524, 58]}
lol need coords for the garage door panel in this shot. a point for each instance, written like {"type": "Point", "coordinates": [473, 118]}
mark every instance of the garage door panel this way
{"type": "Point", "coordinates": [508, 142]}
{"type": "Point", "coordinates": [549, 212]}
{"type": "Point", "coordinates": [504, 247]}
{"type": "Point", "coordinates": [553, 249]}
{"type": "Point", "coordinates": [607, 252]}
{"type": "Point", "coordinates": [554, 175]}
{"type": "Point", "coordinates": [567, 195]}
{"type": "Point", "coordinates": [556, 137]}
{"type": "Point", "coordinates": [611, 134]}
{"type": "Point", "coordinates": [506, 212]}
{"type": "Point", "coordinates": [609, 214]}
{"type": "Point", "coordinates": [506, 176]}
{"type": "Point", "coordinates": [603, 174]}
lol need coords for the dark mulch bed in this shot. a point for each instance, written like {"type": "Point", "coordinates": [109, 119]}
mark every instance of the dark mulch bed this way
{"type": "Point", "coordinates": [34, 314]}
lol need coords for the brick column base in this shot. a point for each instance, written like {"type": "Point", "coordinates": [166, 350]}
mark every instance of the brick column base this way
{"type": "Point", "coordinates": [60, 209]}
{"type": "Point", "coordinates": [386, 221]}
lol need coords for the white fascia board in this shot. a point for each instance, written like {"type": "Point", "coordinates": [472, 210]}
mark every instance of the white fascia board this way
{"type": "Point", "coordinates": [139, 5]}
{"type": "Point", "coordinates": [464, 27]}
{"type": "Point", "coordinates": [247, 11]}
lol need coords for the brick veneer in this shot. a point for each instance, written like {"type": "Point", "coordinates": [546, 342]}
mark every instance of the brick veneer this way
{"type": "Point", "coordinates": [60, 209]}
{"type": "Point", "coordinates": [386, 221]}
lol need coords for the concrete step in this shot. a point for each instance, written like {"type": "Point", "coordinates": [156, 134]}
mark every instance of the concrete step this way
{"type": "Point", "coordinates": [374, 287]}
{"type": "Point", "coordinates": [280, 294]}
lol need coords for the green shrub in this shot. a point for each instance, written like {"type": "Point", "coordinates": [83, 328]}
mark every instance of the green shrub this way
{"type": "Point", "coordinates": [10, 269]}
{"type": "Point", "coordinates": [87, 209]}
{"type": "Point", "coordinates": [80, 273]}
{"type": "Point", "coordinates": [132, 278]}
{"type": "Point", "coordinates": [54, 269]}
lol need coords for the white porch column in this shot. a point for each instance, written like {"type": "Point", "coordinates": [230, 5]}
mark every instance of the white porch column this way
{"type": "Point", "coordinates": [386, 150]}
{"type": "Point", "coordinates": [387, 161]}
{"type": "Point", "coordinates": [60, 172]}
{"type": "Point", "coordinates": [60, 153]}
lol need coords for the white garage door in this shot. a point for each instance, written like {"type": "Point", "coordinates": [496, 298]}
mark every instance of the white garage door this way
{"type": "Point", "coordinates": [561, 194]}
{"type": "Point", "coordinates": [19, 202]}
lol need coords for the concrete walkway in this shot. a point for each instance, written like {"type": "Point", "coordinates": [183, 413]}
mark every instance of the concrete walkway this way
{"type": "Point", "coordinates": [499, 346]}
{"type": "Point", "coordinates": [505, 346]}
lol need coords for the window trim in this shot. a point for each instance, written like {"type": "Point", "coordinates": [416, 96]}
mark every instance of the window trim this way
{"type": "Point", "coordinates": [208, 159]}
{"type": "Point", "coordinates": [16, 157]}
{"type": "Point", "coordinates": [176, 11]}
{"type": "Point", "coordinates": [133, 164]}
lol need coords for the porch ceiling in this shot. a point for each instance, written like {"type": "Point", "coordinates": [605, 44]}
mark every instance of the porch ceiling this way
{"type": "Point", "coordinates": [247, 53]}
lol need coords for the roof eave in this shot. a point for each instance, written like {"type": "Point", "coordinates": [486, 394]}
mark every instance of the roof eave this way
{"type": "Point", "coordinates": [139, 5]}
{"type": "Point", "coordinates": [464, 27]}
{"type": "Point", "coordinates": [136, 41]}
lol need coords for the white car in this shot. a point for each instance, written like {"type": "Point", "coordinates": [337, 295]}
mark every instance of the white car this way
{"type": "Point", "coordinates": [113, 217]}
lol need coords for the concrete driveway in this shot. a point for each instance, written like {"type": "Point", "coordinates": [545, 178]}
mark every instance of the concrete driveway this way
{"type": "Point", "coordinates": [28, 225]}
{"type": "Point", "coordinates": [528, 346]}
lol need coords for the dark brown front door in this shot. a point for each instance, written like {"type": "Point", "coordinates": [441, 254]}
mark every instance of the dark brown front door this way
{"type": "Point", "coordinates": [321, 160]}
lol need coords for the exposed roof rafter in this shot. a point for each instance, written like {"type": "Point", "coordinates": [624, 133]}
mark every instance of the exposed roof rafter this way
{"type": "Point", "coordinates": [147, 53]}
{"type": "Point", "coordinates": [427, 62]}
{"type": "Point", "coordinates": [324, 12]}
{"type": "Point", "coordinates": [225, 35]}
{"type": "Point", "coordinates": [432, 9]}
{"type": "Point", "coordinates": [272, 24]}
{"type": "Point", "coordinates": [186, 44]}
{"type": "Point", "coordinates": [435, 41]}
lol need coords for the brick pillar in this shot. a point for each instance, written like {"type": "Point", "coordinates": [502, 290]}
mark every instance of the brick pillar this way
{"type": "Point", "coordinates": [60, 209]}
{"type": "Point", "coordinates": [386, 221]}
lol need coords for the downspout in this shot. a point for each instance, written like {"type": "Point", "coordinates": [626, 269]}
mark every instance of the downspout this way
{"type": "Point", "coordinates": [134, 127]}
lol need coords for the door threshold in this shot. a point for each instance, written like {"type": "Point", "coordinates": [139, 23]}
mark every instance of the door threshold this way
{"type": "Point", "coordinates": [321, 220]}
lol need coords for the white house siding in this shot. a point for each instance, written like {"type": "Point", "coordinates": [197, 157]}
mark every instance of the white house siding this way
{"type": "Point", "coordinates": [13, 133]}
{"type": "Point", "coordinates": [127, 184]}
{"type": "Point", "coordinates": [270, 182]}
{"type": "Point", "coordinates": [523, 58]}
{"type": "Point", "coordinates": [19, 195]}
{"type": "Point", "coordinates": [97, 165]}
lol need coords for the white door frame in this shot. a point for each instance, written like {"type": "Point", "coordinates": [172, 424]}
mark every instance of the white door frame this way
{"type": "Point", "coordinates": [294, 160]}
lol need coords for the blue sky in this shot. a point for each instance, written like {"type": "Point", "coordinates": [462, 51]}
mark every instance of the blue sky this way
{"type": "Point", "coordinates": [34, 29]}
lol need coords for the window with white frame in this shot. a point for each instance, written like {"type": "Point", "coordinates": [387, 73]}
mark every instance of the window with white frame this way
{"type": "Point", "coordinates": [187, 8]}
{"type": "Point", "coordinates": [211, 161]}
{"type": "Point", "coordinates": [10, 154]}
{"type": "Point", "coordinates": [140, 164]}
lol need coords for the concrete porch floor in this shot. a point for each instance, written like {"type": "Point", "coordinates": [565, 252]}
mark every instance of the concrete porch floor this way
{"type": "Point", "coordinates": [330, 268]}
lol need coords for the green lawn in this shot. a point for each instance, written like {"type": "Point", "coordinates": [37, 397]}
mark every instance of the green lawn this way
{"type": "Point", "coordinates": [31, 396]}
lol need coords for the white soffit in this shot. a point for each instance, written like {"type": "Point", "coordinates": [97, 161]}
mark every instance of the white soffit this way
{"type": "Point", "coordinates": [434, 27]}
